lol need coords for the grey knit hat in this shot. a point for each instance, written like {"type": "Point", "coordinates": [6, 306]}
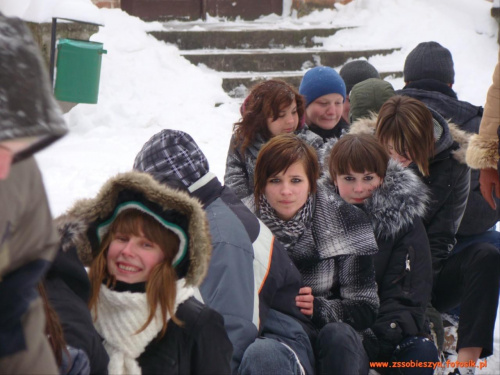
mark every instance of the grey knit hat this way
{"type": "Point", "coordinates": [27, 106]}
{"type": "Point", "coordinates": [357, 71]}
{"type": "Point", "coordinates": [172, 157]}
{"type": "Point", "coordinates": [429, 60]}
{"type": "Point", "coordinates": [368, 97]}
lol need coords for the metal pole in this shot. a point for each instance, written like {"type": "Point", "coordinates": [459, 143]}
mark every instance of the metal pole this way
{"type": "Point", "coordinates": [53, 49]}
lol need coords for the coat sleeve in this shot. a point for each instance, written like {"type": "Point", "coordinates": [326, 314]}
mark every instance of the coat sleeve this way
{"type": "Point", "coordinates": [449, 193]}
{"type": "Point", "coordinates": [236, 175]}
{"type": "Point", "coordinates": [213, 350]}
{"type": "Point", "coordinates": [228, 289]}
{"type": "Point", "coordinates": [482, 151]}
{"type": "Point", "coordinates": [404, 288]}
{"type": "Point", "coordinates": [358, 302]}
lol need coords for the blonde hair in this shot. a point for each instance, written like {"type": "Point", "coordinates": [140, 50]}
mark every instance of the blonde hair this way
{"type": "Point", "coordinates": [161, 286]}
{"type": "Point", "coordinates": [408, 124]}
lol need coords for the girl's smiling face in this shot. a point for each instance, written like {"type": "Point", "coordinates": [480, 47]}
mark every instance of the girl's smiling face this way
{"type": "Point", "coordinates": [131, 258]}
{"type": "Point", "coordinates": [287, 121]}
{"type": "Point", "coordinates": [326, 111]}
{"type": "Point", "coordinates": [355, 187]}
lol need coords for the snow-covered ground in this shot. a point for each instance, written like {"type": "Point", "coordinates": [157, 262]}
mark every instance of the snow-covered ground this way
{"type": "Point", "coordinates": [146, 85]}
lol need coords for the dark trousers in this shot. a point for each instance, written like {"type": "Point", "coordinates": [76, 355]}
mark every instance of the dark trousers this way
{"type": "Point", "coordinates": [471, 279]}
{"type": "Point", "coordinates": [411, 350]}
{"type": "Point", "coordinates": [339, 350]}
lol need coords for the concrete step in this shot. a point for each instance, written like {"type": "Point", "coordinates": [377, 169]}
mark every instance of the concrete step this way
{"type": "Point", "coordinates": [262, 60]}
{"type": "Point", "coordinates": [238, 84]}
{"type": "Point", "coordinates": [236, 38]}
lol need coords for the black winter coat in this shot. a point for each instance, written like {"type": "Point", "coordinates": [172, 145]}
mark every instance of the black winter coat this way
{"type": "Point", "coordinates": [68, 290]}
{"type": "Point", "coordinates": [448, 181]}
{"type": "Point", "coordinates": [403, 268]}
{"type": "Point", "coordinates": [196, 348]}
{"type": "Point", "coordinates": [478, 216]}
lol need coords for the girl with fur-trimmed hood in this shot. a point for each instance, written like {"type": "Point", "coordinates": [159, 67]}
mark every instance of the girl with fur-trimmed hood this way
{"type": "Point", "coordinates": [419, 138]}
{"type": "Point", "coordinates": [395, 200]}
{"type": "Point", "coordinates": [147, 247]}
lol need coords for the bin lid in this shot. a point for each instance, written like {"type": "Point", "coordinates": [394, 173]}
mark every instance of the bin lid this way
{"type": "Point", "coordinates": [80, 44]}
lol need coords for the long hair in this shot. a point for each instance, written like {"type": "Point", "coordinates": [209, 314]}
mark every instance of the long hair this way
{"type": "Point", "coordinates": [53, 328]}
{"type": "Point", "coordinates": [266, 100]}
{"type": "Point", "coordinates": [408, 124]}
{"type": "Point", "coordinates": [278, 155]}
{"type": "Point", "coordinates": [358, 153]}
{"type": "Point", "coordinates": [161, 286]}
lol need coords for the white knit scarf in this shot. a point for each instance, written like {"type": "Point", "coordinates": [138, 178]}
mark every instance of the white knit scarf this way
{"type": "Point", "coordinates": [120, 315]}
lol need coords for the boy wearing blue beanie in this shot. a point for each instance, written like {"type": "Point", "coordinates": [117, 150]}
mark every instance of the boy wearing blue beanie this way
{"type": "Point", "coordinates": [324, 91]}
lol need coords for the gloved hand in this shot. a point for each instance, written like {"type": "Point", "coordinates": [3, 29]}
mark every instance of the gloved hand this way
{"type": "Point", "coordinates": [489, 184]}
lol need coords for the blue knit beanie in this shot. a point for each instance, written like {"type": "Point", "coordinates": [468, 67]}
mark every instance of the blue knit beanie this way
{"type": "Point", "coordinates": [320, 81]}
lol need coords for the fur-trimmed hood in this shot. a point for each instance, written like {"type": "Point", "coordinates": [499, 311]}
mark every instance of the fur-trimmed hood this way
{"type": "Point", "coordinates": [77, 226]}
{"type": "Point", "coordinates": [450, 133]}
{"type": "Point", "coordinates": [400, 199]}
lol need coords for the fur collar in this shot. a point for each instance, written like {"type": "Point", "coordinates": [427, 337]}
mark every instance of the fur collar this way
{"type": "Point", "coordinates": [367, 125]}
{"type": "Point", "coordinates": [74, 224]}
{"type": "Point", "coordinates": [400, 199]}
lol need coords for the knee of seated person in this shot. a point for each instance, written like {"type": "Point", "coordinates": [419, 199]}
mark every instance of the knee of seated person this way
{"type": "Point", "coordinates": [337, 333]}
{"type": "Point", "coordinates": [267, 355]}
{"type": "Point", "coordinates": [486, 254]}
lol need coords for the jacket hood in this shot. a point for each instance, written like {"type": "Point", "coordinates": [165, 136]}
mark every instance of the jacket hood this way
{"type": "Point", "coordinates": [27, 106]}
{"type": "Point", "coordinates": [447, 133]}
{"type": "Point", "coordinates": [400, 199]}
{"type": "Point", "coordinates": [79, 226]}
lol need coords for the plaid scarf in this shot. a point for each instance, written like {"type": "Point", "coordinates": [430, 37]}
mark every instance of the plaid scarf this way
{"type": "Point", "coordinates": [288, 232]}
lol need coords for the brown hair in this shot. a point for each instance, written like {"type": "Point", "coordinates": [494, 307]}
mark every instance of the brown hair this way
{"type": "Point", "coordinates": [408, 124]}
{"type": "Point", "coordinates": [161, 286]}
{"type": "Point", "coordinates": [266, 100]}
{"type": "Point", "coordinates": [278, 155]}
{"type": "Point", "coordinates": [53, 328]}
{"type": "Point", "coordinates": [358, 153]}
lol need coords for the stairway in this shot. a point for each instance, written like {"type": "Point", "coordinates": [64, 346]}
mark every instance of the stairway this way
{"type": "Point", "coordinates": [246, 53]}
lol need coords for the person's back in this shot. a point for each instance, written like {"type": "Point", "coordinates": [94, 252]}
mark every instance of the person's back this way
{"type": "Point", "coordinates": [250, 278]}
{"type": "Point", "coordinates": [429, 76]}
{"type": "Point", "coordinates": [29, 121]}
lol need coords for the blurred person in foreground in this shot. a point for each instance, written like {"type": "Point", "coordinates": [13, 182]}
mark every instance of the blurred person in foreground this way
{"type": "Point", "coordinates": [29, 121]}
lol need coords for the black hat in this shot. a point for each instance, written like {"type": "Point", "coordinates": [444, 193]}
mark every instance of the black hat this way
{"type": "Point", "coordinates": [357, 71]}
{"type": "Point", "coordinates": [429, 60]}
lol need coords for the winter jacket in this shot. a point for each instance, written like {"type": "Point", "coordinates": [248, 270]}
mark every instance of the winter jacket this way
{"type": "Point", "coordinates": [28, 240]}
{"type": "Point", "coordinates": [240, 168]}
{"type": "Point", "coordinates": [403, 266]}
{"type": "Point", "coordinates": [478, 216]}
{"type": "Point", "coordinates": [334, 257]}
{"type": "Point", "coordinates": [202, 344]}
{"type": "Point", "coordinates": [484, 149]}
{"type": "Point", "coordinates": [250, 275]}
{"type": "Point", "coordinates": [68, 290]}
{"type": "Point", "coordinates": [448, 183]}
{"type": "Point", "coordinates": [195, 348]}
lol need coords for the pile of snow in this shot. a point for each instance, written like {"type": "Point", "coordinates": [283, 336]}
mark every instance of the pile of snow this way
{"type": "Point", "coordinates": [146, 85]}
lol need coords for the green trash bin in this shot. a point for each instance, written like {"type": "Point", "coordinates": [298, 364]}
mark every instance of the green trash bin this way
{"type": "Point", "coordinates": [78, 70]}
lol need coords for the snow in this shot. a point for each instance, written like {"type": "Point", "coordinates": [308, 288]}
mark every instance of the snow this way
{"type": "Point", "coordinates": [146, 85]}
